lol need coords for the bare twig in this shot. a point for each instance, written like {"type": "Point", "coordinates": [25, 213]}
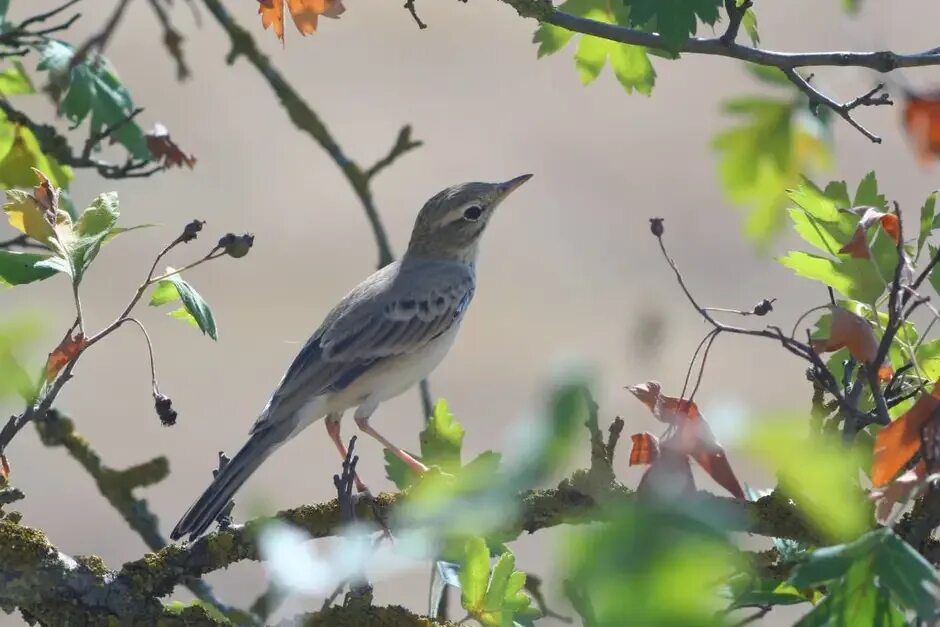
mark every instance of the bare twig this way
{"type": "Point", "coordinates": [99, 41]}
{"type": "Point", "coordinates": [410, 5]}
{"type": "Point", "coordinates": [172, 40]}
{"type": "Point", "coordinates": [843, 110]}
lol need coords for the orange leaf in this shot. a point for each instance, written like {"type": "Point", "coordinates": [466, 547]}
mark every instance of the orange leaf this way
{"type": "Point", "coordinates": [689, 434]}
{"type": "Point", "coordinates": [305, 14]}
{"type": "Point", "coordinates": [4, 468]}
{"type": "Point", "coordinates": [46, 196]}
{"type": "Point", "coordinates": [645, 448]}
{"type": "Point", "coordinates": [849, 331]}
{"type": "Point", "coordinates": [897, 443]}
{"type": "Point", "coordinates": [922, 121]}
{"type": "Point", "coordinates": [857, 247]}
{"type": "Point", "coordinates": [67, 351]}
{"type": "Point", "coordinates": [892, 226]}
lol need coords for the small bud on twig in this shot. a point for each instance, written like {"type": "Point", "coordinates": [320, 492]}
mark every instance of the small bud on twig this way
{"type": "Point", "coordinates": [191, 231]}
{"type": "Point", "coordinates": [764, 307]}
{"type": "Point", "coordinates": [164, 406]}
{"type": "Point", "coordinates": [656, 226]}
{"type": "Point", "coordinates": [236, 245]}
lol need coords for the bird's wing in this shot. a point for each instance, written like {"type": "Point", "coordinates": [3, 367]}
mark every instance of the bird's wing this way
{"type": "Point", "coordinates": [395, 312]}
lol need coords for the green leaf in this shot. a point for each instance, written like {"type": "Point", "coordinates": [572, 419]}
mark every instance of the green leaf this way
{"type": "Point", "coordinates": [631, 64]}
{"type": "Point", "coordinates": [675, 20]}
{"type": "Point", "coordinates": [905, 572]}
{"type": "Point", "coordinates": [93, 88]}
{"type": "Point", "coordinates": [474, 574]}
{"type": "Point", "coordinates": [194, 306]}
{"type": "Point", "coordinates": [867, 193]}
{"type": "Point", "coordinates": [927, 212]}
{"type": "Point", "coordinates": [855, 278]}
{"type": "Point", "coordinates": [928, 359]}
{"type": "Point", "coordinates": [183, 314]}
{"type": "Point", "coordinates": [763, 154]}
{"type": "Point", "coordinates": [495, 595]}
{"type": "Point", "coordinates": [18, 268]}
{"type": "Point", "coordinates": [817, 473]}
{"type": "Point", "coordinates": [830, 563]}
{"type": "Point", "coordinates": [14, 81]}
{"type": "Point", "coordinates": [441, 439]}
{"type": "Point", "coordinates": [82, 244]}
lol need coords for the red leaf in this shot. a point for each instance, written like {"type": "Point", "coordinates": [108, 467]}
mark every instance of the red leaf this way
{"type": "Point", "coordinates": [857, 247]}
{"type": "Point", "coordinates": [165, 149]}
{"type": "Point", "coordinates": [645, 448]}
{"type": "Point", "coordinates": [67, 351]}
{"type": "Point", "coordinates": [922, 121]}
{"type": "Point", "coordinates": [897, 443]}
{"type": "Point", "coordinates": [900, 488]}
{"type": "Point", "coordinates": [688, 435]}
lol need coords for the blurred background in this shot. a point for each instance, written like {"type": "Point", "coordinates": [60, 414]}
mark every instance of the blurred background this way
{"type": "Point", "coordinates": [569, 273]}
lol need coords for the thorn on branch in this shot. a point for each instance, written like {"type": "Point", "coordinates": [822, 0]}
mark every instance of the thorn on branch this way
{"type": "Point", "coordinates": [613, 436]}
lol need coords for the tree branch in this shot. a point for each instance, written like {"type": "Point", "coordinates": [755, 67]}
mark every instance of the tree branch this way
{"type": "Point", "coordinates": [844, 111]}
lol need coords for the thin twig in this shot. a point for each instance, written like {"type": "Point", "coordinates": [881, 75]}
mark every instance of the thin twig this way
{"type": "Point", "coordinates": [96, 138]}
{"type": "Point", "coordinates": [172, 40]}
{"type": "Point", "coordinates": [844, 111]}
{"type": "Point", "coordinates": [99, 41]}
{"type": "Point", "coordinates": [410, 5]}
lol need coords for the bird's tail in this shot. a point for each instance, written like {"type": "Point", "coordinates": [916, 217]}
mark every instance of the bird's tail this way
{"type": "Point", "coordinates": [204, 511]}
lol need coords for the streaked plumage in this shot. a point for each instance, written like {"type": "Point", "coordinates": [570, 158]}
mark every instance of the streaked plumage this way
{"type": "Point", "coordinates": [383, 337]}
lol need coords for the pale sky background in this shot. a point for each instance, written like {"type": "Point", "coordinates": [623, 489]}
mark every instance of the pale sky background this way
{"type": "Point", "coordinates": [568, 268]}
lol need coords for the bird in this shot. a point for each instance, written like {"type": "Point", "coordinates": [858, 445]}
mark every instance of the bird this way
{"type": "Point", "coordinates": [387, 334]}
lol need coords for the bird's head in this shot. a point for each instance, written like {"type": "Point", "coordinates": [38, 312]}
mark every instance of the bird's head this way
{"type": "Point", "coordinates": [450, 224]}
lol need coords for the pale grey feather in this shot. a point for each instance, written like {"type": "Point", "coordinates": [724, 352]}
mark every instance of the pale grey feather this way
{"type": "Point", "coordinates": [396, 311]}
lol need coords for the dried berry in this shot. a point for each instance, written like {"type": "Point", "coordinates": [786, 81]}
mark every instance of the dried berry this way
{"type": "Point", "coordinates": [164, 406]}
{"type": "Point", "coordinates": [191, 231]}
{"type": "Point", "coordinates": [656, 226]}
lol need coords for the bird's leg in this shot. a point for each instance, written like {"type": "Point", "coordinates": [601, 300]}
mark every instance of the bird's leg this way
{"type": "Point", "coordinates": [411, 462]}
{"type": "Point", "coordinates": [332, 428]}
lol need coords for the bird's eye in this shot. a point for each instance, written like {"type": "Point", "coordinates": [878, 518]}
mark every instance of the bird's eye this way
{"type": "Point", "coordinates": [472, 213]}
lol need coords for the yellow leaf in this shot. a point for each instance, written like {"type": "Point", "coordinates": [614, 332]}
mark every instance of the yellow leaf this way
{"type": "Point", "coordinates": [26, 216]}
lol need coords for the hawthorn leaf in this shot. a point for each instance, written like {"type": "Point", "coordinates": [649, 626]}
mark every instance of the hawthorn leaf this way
{"type": "Point", "coordinates": [927, 213]}
{"type": "Point", "coordinates": [14, 81]}
{"type": "Point", "coordinates": [19, 268]}
{"type": "Point", "coordinates": [854, 278]}
{"type": "Point", "coordinates": [474, 574]}
{"type": "Point", "coordinates": [92, 88]}
{"type": "Point", "coordinates": [193, 304]}
{"type": "Point", "coordinates": [631, 64]}
{"type": "Point", "coordinates": [675, 20]}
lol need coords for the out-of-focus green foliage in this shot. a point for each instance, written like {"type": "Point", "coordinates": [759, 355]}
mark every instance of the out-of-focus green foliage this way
{"type": "Point", "coordinates": [871, 581]}
{"type": "Point", "coordinates": [816, 471]}
{"type": "Point", "coordinates": [775, 141]}
{"type": "Point", "coordinates": [15, 335]}
{"type": "Point", "coordinates": [651, 566]}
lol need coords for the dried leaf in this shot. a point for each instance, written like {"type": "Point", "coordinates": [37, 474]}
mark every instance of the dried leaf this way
{"type": "Point", "coordinates": [897, 443]}
{"type": "Point", "coordinates": [857, 247]}
{"type": "Point", "coordinates": [645, 448]}
{"type": "Point", "coordinates": [64, 353]}
{"type": "Point", "coordinates": [922, 121]}
{"type": "Point", "coordinates": [165, 149]}
{"type": "Point", "coordinates": [4, 468]}
{"type": "Point", "coordinates": [688, 435]}
{"type": "Point", "coordinates": [305, 14]}
{"type": "Point", "coordinates": [849, 331]}
{"type": "Point", "coordinates": [896, 491]}
{"type": "Point", "coordinates": [46, 196]}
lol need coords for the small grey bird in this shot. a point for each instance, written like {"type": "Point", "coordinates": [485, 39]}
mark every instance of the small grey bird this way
{"type": "Point", "coordinates": [386, 335]}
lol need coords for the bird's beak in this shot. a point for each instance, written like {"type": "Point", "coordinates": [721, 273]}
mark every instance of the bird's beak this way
{"type": "Point", "coordinates": [510, 185]}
